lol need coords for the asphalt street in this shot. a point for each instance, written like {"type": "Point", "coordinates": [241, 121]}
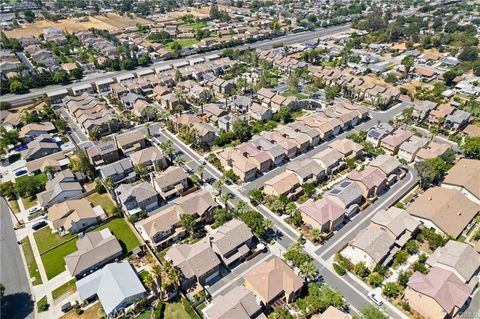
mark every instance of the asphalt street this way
{"type": "Point", "coordinates": [16, 99]}
{"type": "Point", "coordinates": [17, 302]}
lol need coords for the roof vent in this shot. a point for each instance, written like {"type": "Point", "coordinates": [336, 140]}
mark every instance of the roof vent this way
{"type": "Point", "coordinates": [459, 213]}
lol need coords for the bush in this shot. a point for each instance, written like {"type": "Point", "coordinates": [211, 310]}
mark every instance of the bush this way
{"type": "Point", "coordinates": [99, 188]}
{"type": "Point", "coordinates": [159, 314]}
{"type": "Point", "coordinates": [362, 270]}
{"type": "Point", "coordinates": [339, 269]}
{"type": "Point", "coordinates": [78, 310]}
{"type": "Point", "coordinates": [375, 280]}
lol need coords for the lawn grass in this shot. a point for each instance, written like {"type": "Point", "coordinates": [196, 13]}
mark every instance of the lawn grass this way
{"type": "Point", "coordinates": [147, 314]}
{"type": "Point", "coordinates": [46, 239]}
{"type": "Point", "coordinates": [93, 312]}
{"type": "Point", "coordinates": [29, 202]}
{"type": "Point", "coordinates": [185, 43]}
{"type": "Point", "coordinates": [13, 203]}
{"type": "Point", "coordinates": [54, 262]}
{"type": "Point", "coordinates": [67, 287]}
{"type": "Point", "coordinates": [102, 200]}
{"type": "Point", "coordinates": [175, 310]}
{"type": "Point", "coordinates": [31, 262]}
{"type": "Point", "coordinates": [42, 304]}
{"type": "Point", "coordinates": [200, 24]}
{"type": "Point", "coordinates": [124, 234]}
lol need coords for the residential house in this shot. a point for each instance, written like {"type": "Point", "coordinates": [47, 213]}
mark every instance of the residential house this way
{"type": "Point", "coordinates": [460, 258]}
{"type": "Point", "coordinates": [288, 146]}
{"type": "Point", "coordinates": [63, 186]}
{"type": "Point", "coordinates": [102, 153]}
{"type": "Point", "coordinates": [243, 167]}
{"type": "Point", "coordinates": [409, 149]}
{"type": "Point", "coordinates": [94, 249]}
{"type": "Point", "coordinates": [171, 183]}
{"type": "Point", "coordinates": [313, 134]}
{"type": "Point", "coordinates": [232, 242]}
{"type": "Point", "coordinates": [151, 157]}
{"type": "Point", "coordinates": [464, 176]}
{"type": "Point", "coordinates": [118, 277]}
{"type": "Point", "coordinates": [457, 121]}
{"type": "Point", "coordinates": [136, 198]}
{"type": "Point", "coordinates": [438, 294]}
{"type": "Point", "coordinates": [372, 180]}
{"type": "Point", "coordinates": [388, 165]}
{"type": "Point", "coordinates": [440, 113]}
{"type": "Point", "coordinates": [392, 142]}
{"type": "Point", "coordinates": [387, 233]}
{"type": "Point", "coordinates": [33, 130]}
{"type": "Point", "coordinates": [72, 216]}
{"type": "Point", "coordinates": [346, 194]}
{"type": "Point", "coordinates": [378, 132]}
{"type": "Point", "coordinates": [445, 210]}
{"type": "Point", "coordinates": [422, 109]}
{"type": "Point", "coordinates": [274, 282]}
{"type": "Point", "coordinates": [332, 313]}
{"type": "Point", "coordinates": [41, 146]}
{"type": "Point", "coordinates": [259, 112]}
{"type": "Point", "coordinates": [237, 303]}
{"type": "Point", "coordinates": [56, 161]}
{"type": "Point", "coordinates": [307, 170]}
{"type": "Point", "coordinates": [260, 158]}
{"type": "Point", "coordinates": [432, 150]}
{"type": "Point", "coordinates": [120, 171]}
{"type": "Point", "coordinates": [206, 133]}
{"type": "Point", "coordinates": [164, 228]}
{"type": "Point", "coordinates": [322, 214]}
{"type": "Point", "coordinates": [276, 152]}
{"type": "Point", "coordinates": [196, 263]}
{"type": "Point", "coordinates": [284, 184]}
{"type": "Point", "coordinates": [330, 159]}
{"type": "Point", "coordinates": [131, 141]}
{"type": "Point", "coordinates": [242, 103]}
{"type": "Point", "coordinates": [347, 147]}
{"type": "Point", "coordinates": [213, 111]}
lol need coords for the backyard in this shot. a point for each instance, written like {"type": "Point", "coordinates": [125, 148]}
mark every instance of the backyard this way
{"type": "Point", "coordinates": [122, 231]}
{"type": "Point", "coordinates": [103, 200]}
{"type": "Point", "coordinates": [185, 43]}
{"type": "Point", "coordinates": [53, 260]}
{"type": "Point", "coordinates": [175, 310]}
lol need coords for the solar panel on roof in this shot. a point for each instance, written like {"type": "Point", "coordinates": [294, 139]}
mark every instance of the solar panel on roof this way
{"type": "Point", "coordinates": [335, 191]}
{"type": "Point", "coordinates": [106, 147]}
{"type": "Point", "coordinates": [374, 133]}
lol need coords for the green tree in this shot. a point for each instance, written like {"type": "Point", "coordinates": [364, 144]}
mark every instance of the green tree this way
{"type": "Point", "coordinates": [412, 247]}
{"type": "Point", "coordinates": [361, 269]}
{"type": "Point", "coordinates": [16, 86]}
{"type": "Point", "coordinates": [308, 270]}
{"type": "Point", "coordinates": [255, 195]}
{"type": "Point", "coordinates": [369, 311]}
{"type": "Point", "coordinates": [280, 313]}
{"type": "Point", "coordinates": [60, 76]}
{"type": "Point", "coordinates": [254, 221]}
{"type": "Point", "coordinates": [403, 278]}
{"type": "Point", "coordinates": [109, 183]}
{"type": "Point", "coordinates": [448, 77]}
{"type": "Point", "coordinates": [331, 92]}
{"type": "Point", "coordinates": [176, 47]}
{"type": "Point", "coordinates": [293, 82]}
{"type": "Point", "coordinates": [391, 289]}
{"type": "Point", "coordinates": [7, 189]}
{"type": "Point", "coordinates": [375, 280]}
{"type": "Point", "coordinates": [242, 130]}
{"type": "Point", "coordinates": [315, 235]}
{"type": "Point", "coordinates": [408, 62]}
{"type": "Point", "coordinates": [141, 170]}
{"type": "Point", "coordinates": [285, 114]}
{"type": "Point", "coordinates": [471, 147]}
{"type": "Point", "coordinates": [430, 171]}
{"type": "Point", "coordinates": [188, 223]}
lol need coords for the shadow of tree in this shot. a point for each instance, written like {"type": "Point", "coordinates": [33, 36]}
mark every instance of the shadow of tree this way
{"type": "Point", "coordinates": [17, 306]}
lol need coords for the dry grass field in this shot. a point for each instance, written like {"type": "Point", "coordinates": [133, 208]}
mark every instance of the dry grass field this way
{"type": "Point", "coordinates": [203, 12]}
{"type": "Point", "coordinates": [108, 22]}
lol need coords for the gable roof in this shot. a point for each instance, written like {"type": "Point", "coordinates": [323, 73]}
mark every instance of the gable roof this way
{"type": "Point", "coordinates": [466, 174]}
{"type": "Point", "coordinates": [447, 208]}
{"type": "Point", "coordinates": [442, 285]}
{"type": "Point", "coordinates": [388, 164]}
{"type": "Point", "coordinates": [112, 284]}
{"type": "Point", "coordinates": [375, 242]}
{"type": "Point", "coordinates": [230, 235]}
{"type": "Point", "coordinates": [139, 192]}
{"type": "Point", "coordinates": [272, 277]}
{"type": "Point", "coordinates": [64, 213]}
{"type": "Point", "coordinates": [370, 177]}
{"type": "Point", "coordinates": [456, 255]}
{"type": "Point", "coordinates": [238, 303]}
{"type": "Point", "coordinates": [93, 248]}
{"type": "Point", "coordinates": [396, 220]}
{"type": "Point", "coordinates": [193, 260]}
{"type": "Point", "coordinates": [149, 154]}
{"type": "Point", "coordinates": [323, 210]}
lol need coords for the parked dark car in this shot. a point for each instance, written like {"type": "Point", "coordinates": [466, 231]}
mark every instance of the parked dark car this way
{"type": "Point", "coordinates": [39, 225]}
{"type": "Point", "coordinates": [22, 172]}
{"type": "Point", "coordinates": [20, 147]}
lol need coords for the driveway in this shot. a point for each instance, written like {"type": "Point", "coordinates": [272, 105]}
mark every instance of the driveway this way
{"type": "Point", "coordinates": [17, 302]}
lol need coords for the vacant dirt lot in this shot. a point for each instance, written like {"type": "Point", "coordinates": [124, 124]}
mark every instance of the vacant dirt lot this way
{"type": "Point", "coordinates": [202, 12]}
{"type": "Point", "coordinates": [105, 22]}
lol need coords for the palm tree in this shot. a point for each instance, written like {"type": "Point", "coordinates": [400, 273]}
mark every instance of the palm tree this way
{"type": "Point", "coordinates": [218, 186]}
{"type": "Point", "coordinates": [308, 270]}
{"type": "Point", "coordinates": [315, 235]}
{"type": "Point", "coordinates": [179, 161]}
{"type": "Point", "coordinates": [290, 208]}
{"type": "Point", "coordinates": [267, 224]}
{"type": "Point", "coordinates": [224, 199]}
{"type": "Point", "coordinates": [241, 207]}
{"type": "Point", "coordinates": [109, 183]}
{"type": "Point", "coordinates": [167, 149]}
{"type": "Point", "coordinates": [200, 169]}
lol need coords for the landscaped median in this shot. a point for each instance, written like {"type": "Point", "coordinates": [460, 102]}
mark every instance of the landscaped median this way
{"type": "Point", "coordinates": [31, 262]}
{"type": "Point", "coordinates": [53, 248]}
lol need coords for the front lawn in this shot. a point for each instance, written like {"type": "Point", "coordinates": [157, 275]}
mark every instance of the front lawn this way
{"type": "Point", "coordinates": [185, 43]}
{"type": "Point", "coordinates": [31, 262]}
{"type": "Point", "coordinates": [124, 234]}
{"type": "Point", "coordinates": [102, 200]}
{"type": "Point", "coordinates": [13, 203]}
{"type": "Point", "coordinates": [29, 202]}
{"type": "Point", "coordinates": [45, 239]}
{"type": "Point", "coordinates": [54, 262]}
{"type": "Point", "coordinates": [175, 310]}
{"type": "Point", "coordinates": [67, 287]}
